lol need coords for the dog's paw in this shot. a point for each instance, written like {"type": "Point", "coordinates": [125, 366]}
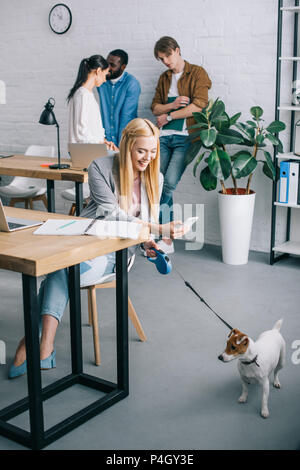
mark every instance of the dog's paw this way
{"type": "Point", "coordinates": [242, 399]}
{"type": "Point", "coordinates": [265, 413]}
{"type": "Point", "coordinates": [277, 384]}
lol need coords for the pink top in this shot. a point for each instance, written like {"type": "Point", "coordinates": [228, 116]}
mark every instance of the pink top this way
{"type": "Point", "coordinates": [135, 208]}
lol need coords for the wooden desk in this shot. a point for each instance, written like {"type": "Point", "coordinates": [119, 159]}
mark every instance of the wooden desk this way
{"type": "Point", "coordinates": [30, 167]}
{"type": "Point", "coordinates": [34, 255]}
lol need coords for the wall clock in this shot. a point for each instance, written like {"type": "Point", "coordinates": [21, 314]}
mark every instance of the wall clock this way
{"type": "Point", "coordinates": [60, 18]}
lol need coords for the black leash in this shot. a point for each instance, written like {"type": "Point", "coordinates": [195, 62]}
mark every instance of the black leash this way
{"type": "Point", "coordinates": [202, 300]}
{"type": "Point", "coordinates": [254, 360]}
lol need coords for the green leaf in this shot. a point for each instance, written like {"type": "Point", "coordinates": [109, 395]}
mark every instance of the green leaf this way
{"type": "Point", "coordinates": [247, 130]}
{"type": "Point", "coordinates": [199, 159]}
{"type": "Point", "coordinates": [221, 122]}
{"type": "Point", "coordinates": [199, 125]}
{"type": "Point", "coordinates": [217, 109]}
{"type": "Point", "coordinates": [208, 180]}
{"type": "Point", "coordinates": [256, 111]}
{"type": "Point", "coordinates": [193, 136]}
{"type": "Point", "coordinates": [244, 165]}
{"type": "Point", "coordinates": [251, 123]}
{"type": "Point", "coordinates": [192, 152]}
{"type": "Point", "coordinates": [260, 139]}
{"type": "Point", "coordinates": [208, 136]}
{"type": "Point", "coordinates": [240, 152]}
{"type": "Point", "coordinates": [272, 139]}
{"type": "Point", "coordinates": [248, 143]}
{"type": "Point", "coordinates": [268, 166]}
{"type": "Point", "coordinates": [219, 164]}
{"type": "Point", "coordinates": [276, 126]}
{"type": "Point", "coordinates": [234, 118]}
{"type": "Point", "coordinates": [267, 171]}
{"type": "Point", "coordinates": [280, 146]}
{"type": "Point", "coordinates": [229, 136]}
{"type": "Point", "coordinates": [200, 117]}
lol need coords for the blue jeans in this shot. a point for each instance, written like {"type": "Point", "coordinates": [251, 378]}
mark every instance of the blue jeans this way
{"type": "Point", "coordinates": [172, 166]}
{"type": "Point", "coordinates": [54, 290]}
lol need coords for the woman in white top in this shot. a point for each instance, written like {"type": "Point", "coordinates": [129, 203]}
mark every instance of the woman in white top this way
{"type": "Point", "coordinates": [85, 123]}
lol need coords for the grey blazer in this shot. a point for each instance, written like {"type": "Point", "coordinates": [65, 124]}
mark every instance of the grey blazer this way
{"type": "Point", "coordinates": [104, 193]}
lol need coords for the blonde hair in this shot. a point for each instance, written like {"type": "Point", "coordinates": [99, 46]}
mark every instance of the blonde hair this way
{"type": "Point", "coordinates": [138, 128]}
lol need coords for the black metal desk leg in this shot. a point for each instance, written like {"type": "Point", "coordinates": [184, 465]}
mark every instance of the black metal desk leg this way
{"type": "Point", "coordinates": [50, 196]}
{"type": "Point", "coordinates": [75, 319]}
{"type": "Point", "coordinates": [122, 320]}
{"type": "Point", "coordinates": [79, 197]}
{"type": "Point", "coordinates": [31, 321]}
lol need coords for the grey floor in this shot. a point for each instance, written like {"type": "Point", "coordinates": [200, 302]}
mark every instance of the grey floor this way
{"type": "Point", "coordinates": [181, 396]}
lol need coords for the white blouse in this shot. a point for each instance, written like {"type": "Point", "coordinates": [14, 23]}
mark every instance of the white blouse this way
{"type": "Point", "coordinates": [85, 123]}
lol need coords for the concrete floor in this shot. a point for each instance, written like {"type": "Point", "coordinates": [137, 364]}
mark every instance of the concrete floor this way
{"type": "Point", "coordinates": [181, 396]}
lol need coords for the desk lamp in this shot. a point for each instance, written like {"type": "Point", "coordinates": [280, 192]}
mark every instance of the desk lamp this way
{"type": "Point", "coordinates": [48, 118]}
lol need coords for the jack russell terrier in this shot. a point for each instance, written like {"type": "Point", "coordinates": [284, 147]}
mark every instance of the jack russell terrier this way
{"type": "Point", "coordinates": [257, 360]}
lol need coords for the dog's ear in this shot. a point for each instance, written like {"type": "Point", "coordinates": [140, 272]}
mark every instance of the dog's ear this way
{"type": "Point", "coordinates": [233, 332]}
{"type": "Point", "coordinates": [243, 340]}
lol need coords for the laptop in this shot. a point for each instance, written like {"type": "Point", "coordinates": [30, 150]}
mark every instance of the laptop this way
{"type": "Point", "coordinates": [83, 154]}
{"type": "Point", "coordinates": [10, 224]}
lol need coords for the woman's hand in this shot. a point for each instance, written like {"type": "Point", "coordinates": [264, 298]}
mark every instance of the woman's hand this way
{"type": "Point", "coordinates": [175, 229]}
{"type": "Point", "coordinates": [148, 245]}
{"type": "Point", "coordinates": [111, 146]}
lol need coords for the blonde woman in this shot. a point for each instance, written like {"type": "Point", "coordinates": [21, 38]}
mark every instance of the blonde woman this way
{"type": "Point", "coordinates": [124, 187]}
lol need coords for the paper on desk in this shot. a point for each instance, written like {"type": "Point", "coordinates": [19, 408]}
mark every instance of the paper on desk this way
{"type": "Point", "coordinates": [101, 228]}
{"type": "Point", "coordinates": [63, 227]}
{"type": "Point", "coordinates": [115, 228]}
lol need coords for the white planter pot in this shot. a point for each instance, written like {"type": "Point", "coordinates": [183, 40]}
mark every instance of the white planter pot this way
{"type": "Point", "coordinates": [236, 216]}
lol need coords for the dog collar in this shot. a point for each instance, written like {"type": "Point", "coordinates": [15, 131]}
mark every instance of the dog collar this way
{"type": "Point", "coordinates": [254, 361]}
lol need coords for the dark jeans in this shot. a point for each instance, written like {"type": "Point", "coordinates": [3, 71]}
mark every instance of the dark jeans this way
{"type": "Point", "coordinates": [172, 166]}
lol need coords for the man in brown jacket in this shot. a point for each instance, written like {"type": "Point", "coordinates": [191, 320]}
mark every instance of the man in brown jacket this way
{"type": "Point", "coordinates": [181, 91]}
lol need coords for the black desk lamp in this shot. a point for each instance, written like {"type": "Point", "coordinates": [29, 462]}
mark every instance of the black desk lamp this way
{"type": "Point", "coordinates": [48, 118]}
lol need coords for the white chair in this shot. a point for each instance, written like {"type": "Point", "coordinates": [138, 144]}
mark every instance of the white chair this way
{"type": "Point", "coordinates": [69, 194]}
{"type": "Point", "coordinates": [108, 282]}
{"type": "Point", "coordinates": [27, 190]}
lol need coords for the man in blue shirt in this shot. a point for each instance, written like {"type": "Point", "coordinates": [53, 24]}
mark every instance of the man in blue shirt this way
{"type": "Point", "coordinates": [119, 96]}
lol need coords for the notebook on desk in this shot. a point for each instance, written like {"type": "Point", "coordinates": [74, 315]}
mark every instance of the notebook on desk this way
{"type": "Point", "coordinates": [82, 155]}
{"type": "Point", "coordinates": [98, 228]}
{"type": "Point", "coordinates": [10, 224]}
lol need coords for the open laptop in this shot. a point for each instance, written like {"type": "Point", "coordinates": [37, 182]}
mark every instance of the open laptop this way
{"type": "Point", "coordinates": [10, 224]}
{"type": "Point", "coordinates": [83, 154]}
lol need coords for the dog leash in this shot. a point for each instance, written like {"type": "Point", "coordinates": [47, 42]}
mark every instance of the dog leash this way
{"type": "Point", "coordinates": [164, 266]}
{"type": "Point", "coordinates": [203, 300]}
{"type": "Point", "coordinates": [247, 363]}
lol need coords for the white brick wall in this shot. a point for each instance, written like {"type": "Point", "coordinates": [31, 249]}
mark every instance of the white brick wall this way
{"type": "Point", "coordinates": [235, 40]}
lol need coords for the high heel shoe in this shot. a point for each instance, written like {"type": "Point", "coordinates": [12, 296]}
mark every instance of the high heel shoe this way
{"type": "Point", "coordinates": [17, 371]}
{"type": "Point", "coordinates": [46, 364]}
{"type": "Point", "coordinates": [49, 362]}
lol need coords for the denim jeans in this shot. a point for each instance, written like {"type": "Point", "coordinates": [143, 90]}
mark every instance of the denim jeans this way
{"type": "Point", "coordinates": [54, 290]}
{"type": "Point", "coordinates": [172, 166]}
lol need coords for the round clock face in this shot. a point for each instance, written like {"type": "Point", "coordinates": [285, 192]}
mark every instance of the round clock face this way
{"type": "Point", "coordinates": [60, 18]}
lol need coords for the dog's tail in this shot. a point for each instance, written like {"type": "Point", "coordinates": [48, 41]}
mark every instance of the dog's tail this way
{"type": "Point", "coordinates": [277, 325]}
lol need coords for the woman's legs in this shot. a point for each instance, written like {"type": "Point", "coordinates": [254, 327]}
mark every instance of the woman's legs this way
{"type": "Point", "coordinates": [53, 298]}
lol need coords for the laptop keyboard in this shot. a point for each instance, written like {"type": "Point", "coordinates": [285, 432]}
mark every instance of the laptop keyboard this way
{"type": "Point", "coordinates": [13, 225]}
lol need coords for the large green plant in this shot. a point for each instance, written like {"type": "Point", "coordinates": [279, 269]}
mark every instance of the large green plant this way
{"type": "Point", "coordinates": [211, 136]}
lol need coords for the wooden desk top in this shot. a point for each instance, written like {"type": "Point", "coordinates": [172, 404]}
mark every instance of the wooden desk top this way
{"type": "Point", "coordinates": [36, 255]}
{"type": "Point", "coordinates": [25, 165]}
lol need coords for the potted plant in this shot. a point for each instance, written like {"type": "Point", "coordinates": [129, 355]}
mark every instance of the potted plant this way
{"type": "Point", "coordinates": [211, 136]}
